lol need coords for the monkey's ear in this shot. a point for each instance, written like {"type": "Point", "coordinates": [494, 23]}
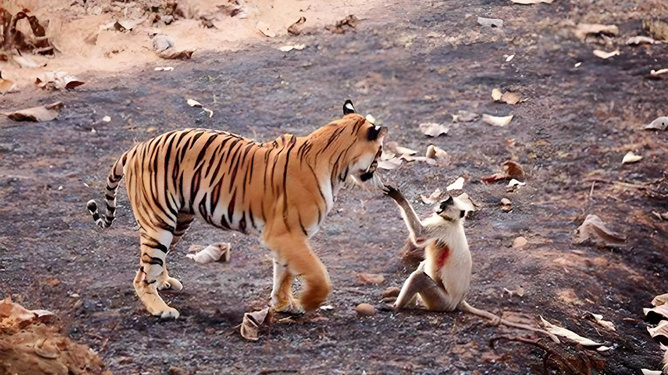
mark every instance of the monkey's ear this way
{"type": "Point", "coordinates": [462, 213]}
{"type": "Point", "coordinates": [348, 107]}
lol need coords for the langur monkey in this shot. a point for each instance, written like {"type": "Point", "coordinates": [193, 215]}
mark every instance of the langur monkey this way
{"type": "Point", "coordinates": [443, 278]}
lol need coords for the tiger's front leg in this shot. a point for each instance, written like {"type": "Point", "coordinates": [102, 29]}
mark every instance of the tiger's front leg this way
{"type": "Point", "coordinates": [281, 294]}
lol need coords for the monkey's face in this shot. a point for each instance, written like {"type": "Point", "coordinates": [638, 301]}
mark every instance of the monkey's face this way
{"type": "Point", "coordinates": [449, 210]}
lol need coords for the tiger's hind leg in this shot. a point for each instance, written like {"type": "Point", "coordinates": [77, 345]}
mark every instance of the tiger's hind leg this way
{"type": "Point", "coordinates": [154, 248]}
{"type": "Point", "coordinates": [183, 222]}
{"type": "Point", "coordinates": [281, 294]}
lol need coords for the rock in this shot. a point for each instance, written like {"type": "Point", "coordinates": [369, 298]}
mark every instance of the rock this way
{"type": "Point", "coordinates": [365, 309]}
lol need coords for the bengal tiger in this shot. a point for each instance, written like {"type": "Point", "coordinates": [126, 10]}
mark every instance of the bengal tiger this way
{"type": "Point", "coordinates": [280, 190]}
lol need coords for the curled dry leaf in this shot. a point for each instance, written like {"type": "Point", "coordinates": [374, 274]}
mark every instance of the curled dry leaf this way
{"type": "Point", "coordinates": [490, 22]}
{"type": "Point", "coordinates": [638, 40]}
{"type": "Point", "coordinates": [37, 114]}
{"type": "Point", "coordinates": [57, 81]}
{"type": "Point", "coordinates": [370, 278]}
{"type": "Point", "coordinates": [398, 150]}
{"type": "Point", "coordinates": [457, 185]}
{"type": "Point", "coordinates": [593, 230]}
{"type": "Point", "coordinates": [582, 30]}
{"type": "Point", "coordinates": [252, 322]}
{"type": "Point", "coordinates": [506, 205]}
{"type": "Point", "coordinates": [513, 170]}
{"type": "Point", "coordinates": [605, 55]}
{"type": "Point", "coordinates": [519, 242]}
{"type": "Point", "coordinates": [513, 183]}
{"type": "Point", "coordinates": [194, 103]}
{"type": "Point", "coordinates": [464, 116]}
{"type": "Point", "coordinates": [298, 47]}
{"type": "Point", "coordinates": [496, 95]}
{"type": "Point", "coordinates": [347, 24]}
{"type": "Point", "coordinates": [209, 113]}
{"type": "Point", "coordinates": [6, 86]}
{"type": "Point", "coordinates": [435, 152]}
{"type": "Point", "coordinates": [661, 312]}
{"type": "Point", "coordinates": [517, 292]}
{"type": "Point", "coordinates": [296, 28]}
{"type": "Point", "coordinates": [176, 55]}
{"type": "Point", "coordinates": [661, 329]}
{"type": "Point", "coordinates": [630, 157]}
{"type": "Point", "coordinates": [654, 73]}
{"type": "Point", "coordinates": [465, 203]}
{"type": "Point", "coordinates": [390, 164]}
{"type": "Point", "coordinates": [660, 123]}
{"type": "Point", "coordinates": [650, 372]}
{"type": "Point", "coordinates": [560, 331]}
{"type": "Point", "coordinates": [496, 121]}
{"type": "Point", "coordinates": [218, 252]}
{"type": "Point", "coordinates": [660, 300]}
{"type": "Point", "coordinates": [598, 318]}
{"type": "Point", "coordinates": [510, 98]}
{"type": "Point", "coordinates": [495, 178]}
{"type": "Point", "coordinates": [433, 130]}
{"type": "Point", "coordinates": [432, 198]}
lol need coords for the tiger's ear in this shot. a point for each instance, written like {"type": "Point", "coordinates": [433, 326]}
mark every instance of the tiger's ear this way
{"type": "Point", "coordinates": [348, 107]}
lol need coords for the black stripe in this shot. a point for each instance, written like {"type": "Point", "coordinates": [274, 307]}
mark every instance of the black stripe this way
{"type": "Point", "coordinates": [152, 260]}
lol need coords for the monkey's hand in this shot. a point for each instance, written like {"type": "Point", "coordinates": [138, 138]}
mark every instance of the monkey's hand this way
{"type": "Point", "coordinates": [392, 192]}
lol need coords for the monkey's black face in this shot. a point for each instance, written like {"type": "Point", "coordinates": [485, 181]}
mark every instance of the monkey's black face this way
{"type": "Point", "coordinates": [449, 211]}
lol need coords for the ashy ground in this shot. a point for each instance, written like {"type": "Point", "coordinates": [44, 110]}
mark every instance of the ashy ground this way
{"type": "Point", "coordinates": [406, 63]}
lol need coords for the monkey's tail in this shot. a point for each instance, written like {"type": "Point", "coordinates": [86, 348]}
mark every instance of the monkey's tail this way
{"type": "Point", "coordinates": [530, 328]}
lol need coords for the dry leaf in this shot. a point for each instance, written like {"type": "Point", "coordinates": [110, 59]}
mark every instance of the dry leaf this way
{"type": "Point", "coordinates": [296, 28]}
{"type": "Point", "coordinates": [25, 62]}
{"type": "Point", "coordinates": [660, 300]}
{"type": "Point", "coordinates": [464, 116]}
{"type": "Point", "coordinates": [529, 2]}
{"type": "Point", "coordinates": [637, 40]}
{"type": "Point", "coordinates": [57, 81]}
{"type": "Point", "coordinates": [559, 331]}
{"type": "Point", "coordinates": [490, 22]}
{"type": "Point", "coordinates": [517, 292]}
{"type": "Point", "coordinates": [6, 86]}
{"type": "Point", "coordinates": [298, 47]}
{"type": "Point", "coordinates": [164, 68]}
{"type": "Point", "coordinates": [582, 30]}
{"type": "Point", "coordinates": [494, 178]}
{"type": "Point", "coordinates": [347, 24]}
{"type": "Point", "coordinates": [630, 157]}
{"type": "Point", "coordinates": [435, 152]}
{"type": "Point", "coordinates": [496, 95]}
{"type": "Point", "coordinates": [650, 372]}
{"type": "Point", "coordinates": [660, 330]}
{"type": "Point", "coordinates": [510, 98]}
{"type": "Point", "coordinates": [264, 28]}
{"type": "Point", "coordinates": [37, 114]}
{"type": "Point", "coordinates": [599, 320]}
{"type": "Point", "coordinates": [218, 252]}
{"type": "Point", "coordinates": [661, 311]}
{"type": "Point", "coordinates": [496, 121]}
{"type": "Point", "coordinates": [433, 130]}
{"type": "Point", "coordinates": [513, 170]}
{"type": "Point", "coordinates": [432, 198]}
{"type": "Point", "coordinates": [252, 322]}
{"type": "Point", "coordinates": [593, 230]}
{"type": "Point", "coordinates": [390, 163]}
{"type": "Point", "coordinates": [208, 112]}
{"type": "Point", "coordinates": [519, 242]}
{"type": "Point", "coordinates": [176, 55]}
{"type": "Point", "coordinates": [457, 185]}
{"type": "Point", "coordinates": [194, 103]}
{"type": "Point", "coordinates": [506, 205]}
{"type": "Point", "coordinates": [394, 147]}
{"type": "Point", "coordinates": [660, 123]}
{"type": "Point", "coordinates": [465, 203]}
{"type": "Point", "coordinates": [605, 55]}
{"type": "Point", "coordinates": [655, 73]}
{"type": "Point", "coordinates": [370, 278]}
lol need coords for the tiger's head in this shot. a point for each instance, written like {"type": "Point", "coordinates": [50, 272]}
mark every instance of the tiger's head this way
{"type": "Point", "coordinates": [355, 144]}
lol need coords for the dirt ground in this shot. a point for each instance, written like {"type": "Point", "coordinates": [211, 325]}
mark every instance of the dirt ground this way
{"type": "Point", "coordinates": [406, 63]}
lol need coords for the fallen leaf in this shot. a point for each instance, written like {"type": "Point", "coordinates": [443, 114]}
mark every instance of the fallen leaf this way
{"type": "Point", "coordinates": [496, 121]}
{"type": "Point", "coordinates": [638, 40]}
{"type": "Point", "coordinates": [593, 230]}
{"type": "Point", "coordinates": [519, 242]}
{"type": "Point", "coordinates": [394, 147]}
{"type": "Point", "coordinates": [661, 329]}
{"type": "Point", "coordinates": [296, 28]}
{"type": "Point", "coordinates": [347, 24]}
{"type": "Point", "coordinates": [650, 372]}
{"type": "Point", "coordinates": [37, 114]}
{"type": "Point", "coordinates": [106, 118]}
{"type": "Point", "coordinates": [57, 81]}
{"type": "Point", "coordinates": [582, 30]}
{"type": "Point", "coordinates": [25, 62]}
{"type": "Point", "coordinates": [513, 170]}
{"type": "Point", "coordinates": [515, 183]}
{"type": "Point", "coordinates": [218, 252]}
{"type": "Point", "coordinates": [510, 98]}
{"type": "Point", "coordinates": [433, 130]}
{"type": "Point", "coordinates": [657, 313]}
{"type": "Point", "coordinates": [506, 205]}
{"type": "Point", "coordinates": [464, 116]}
{"type": "Point", "coordinates": [630, 157]}
{"type": "Point", "coordinates": [252, 322]}
{"type": "Point", "coordinates": [660, 123]}
{"type": "Point", "coordinates": [457, 185]}
{"type": "Point", "coordinates": [496, 95]}
{"type": "Point", "coordinates": [176, 55]}
{"type": "Point", "coordinates": [465, 203]}
{"type": "Point", "coordinates": [435, 152]}
{"type": "Point", "coordinates": [390, 163]}
{"type": "Point", "coordinates": [655, 73]}
{"type": "Point", "coordinates": [529, 2]}
{"type": "Point", "coordinates": [599, 320]}
{"type": "Point", "coordinates": [660, 300]}
{"type": "Point", "coordinates": [6, 86]}
{"type": "Point", "coordinates": [494, 178]}
{"type": "Point", "coordinates": [208, 112]}
{"type": "Point", "coordinates": [560, 331]}
{"type": "Point", "coordinates": [370, 278]}
{"type": "Point", "coordinates": [660, 216]}
{"type": "Point", "coordinates": [517, 292]}
{"type": "Point", "coordinates": [490, 22]}
{"type": "Point", "coordinates": [605, 55]}
{"type": "Point", "coordinates": [194, 103]}
{"type": "Point", "coordinates": [298, 47]}
{"type": "Point", "coordinates": [432, 198]}
{"type": "Point", "coordinates": [164, 68]}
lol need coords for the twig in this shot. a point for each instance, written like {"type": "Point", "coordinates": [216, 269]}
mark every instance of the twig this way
{"type": "Point", "coordinates": [619, 183]}
{"type": "Point", "coordinates": [591, 192]}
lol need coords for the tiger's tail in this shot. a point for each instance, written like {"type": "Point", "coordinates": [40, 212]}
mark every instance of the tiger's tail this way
{"type": "Point", "coordinates": [114, 178]}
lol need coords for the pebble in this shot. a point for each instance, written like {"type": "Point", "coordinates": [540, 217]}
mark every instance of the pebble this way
{"type": "Point", "coordinates": [365, 309]}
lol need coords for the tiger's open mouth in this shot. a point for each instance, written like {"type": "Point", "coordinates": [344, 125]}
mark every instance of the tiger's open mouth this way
{"type": "Point", "coordinates": [368, 175]}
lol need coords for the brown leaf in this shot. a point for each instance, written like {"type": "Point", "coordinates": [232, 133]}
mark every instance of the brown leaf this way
{"type": "Point", "coordinates": [513, 170]}
{"type": "Point", "coordinates": [496, 121]}
{"type": "Point", "coordinates": [57, 81]}
{"type": "Point", "coordinates": [593, 230]}
{"type": "Point", "coordinates": [464, 116]}
{"type": "Point", "coordinates": [660, 123]}
{"type": "Point", "coordinates": [511, 98]}
{"type": "Point", "coordinates": [6, 86]}
{"type": "Point", "coordinates": [494, 178]}
{"type": "Point", "coordinates": [599, 320]}
{"type": "Point", "coordinates": [37, 114]}
{"type": "Point", "coordinates": [432, 198]}
{"type": "Point", "coordinates": [176, 55]}
{"type": "Point", "coordinates": [252, 322]}
{"type": "Point", "coordinates": [296, 28]}
{"type": "Point", "coordinates": [582, 30]}
{"type": "Point", "coordinates": [347, 24]}
{"type": "Point", "coordinates": [660, 300]}
{"type": "Point", "coordinates": [370, 278]}
{"type": "Point", "coordinates": [432, 129]}
{"type": "Point", "coordinates": [661, 311]}
{"type": "Point", "coordinates": [660, 330]}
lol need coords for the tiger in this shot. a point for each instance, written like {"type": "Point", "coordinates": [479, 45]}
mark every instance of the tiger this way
{"type": "Point", "coordinates": [280, 191]}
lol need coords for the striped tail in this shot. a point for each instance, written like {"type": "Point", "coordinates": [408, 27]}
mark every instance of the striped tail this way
{"type": "Point", "coordinates": [114, 178]}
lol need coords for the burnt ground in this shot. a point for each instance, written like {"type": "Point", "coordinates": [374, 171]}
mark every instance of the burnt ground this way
{"type": "Point", "coordinates": [413, 62]}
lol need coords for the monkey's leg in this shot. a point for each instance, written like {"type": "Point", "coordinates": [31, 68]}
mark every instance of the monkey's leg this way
{"type": "Point", "coordinates": [433, 296]}
{"type": "Point", "coordinates": [465, 307]}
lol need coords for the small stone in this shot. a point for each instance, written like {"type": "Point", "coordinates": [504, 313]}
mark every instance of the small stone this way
{"type": "Point", "coordinates": [365, 309]}
{"type": "Point", "coordinates": [519, 242]}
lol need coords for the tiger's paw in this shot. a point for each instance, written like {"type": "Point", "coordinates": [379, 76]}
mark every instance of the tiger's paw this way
{"type": "Point", "coordinates": [170, 283]}
{"type": "Point", "coordinates": [169, 313]}
{"type": "Point", "coordinates": [288, 307]}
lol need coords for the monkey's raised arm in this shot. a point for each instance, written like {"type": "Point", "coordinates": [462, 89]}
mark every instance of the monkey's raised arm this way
{"type": "Point", "coordinates": [411, 219]}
